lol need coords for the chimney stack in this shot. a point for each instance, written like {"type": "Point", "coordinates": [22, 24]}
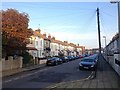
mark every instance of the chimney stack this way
{"type": "Point", "coordinates": [49, 37]}
{"type": "Point", "coordinates": [44, 34]}
{"type": "Point", "coordinates": [38, 31]}
{"type": "Point", "coordinates": [65, 41]}
{"type": "Point", "coordinates": [53, 38]}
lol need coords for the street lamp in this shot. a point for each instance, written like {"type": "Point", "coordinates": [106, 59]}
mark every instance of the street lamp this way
{"type": "Point", "coordinates": [105, 40]}
{"type": "Point", "coordinates": [105, 48]}
{"type": "Point", "coordinates": [118, 6]}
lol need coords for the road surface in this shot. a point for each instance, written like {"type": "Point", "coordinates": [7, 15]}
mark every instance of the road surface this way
{"type": "Point", "coordinates": [47, 76]}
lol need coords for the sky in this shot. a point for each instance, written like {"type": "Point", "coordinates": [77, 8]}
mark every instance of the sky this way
{"type": "Point", "coordinates": [74, 22]}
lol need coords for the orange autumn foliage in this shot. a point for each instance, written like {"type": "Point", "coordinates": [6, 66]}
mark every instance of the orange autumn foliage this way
{"type": "Point", "coordinates": [14, 30]}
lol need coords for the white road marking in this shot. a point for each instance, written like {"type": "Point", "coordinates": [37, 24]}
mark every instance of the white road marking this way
{"type": "Point", "coordinates": [7, 81]}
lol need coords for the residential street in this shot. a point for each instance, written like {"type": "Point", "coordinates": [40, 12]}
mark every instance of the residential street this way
{"type": "Point", "coordinates": [106, 77]}
{"type": "Point", "coordinates": [48, 45]}
{"type": "Point", "coordinates": [47, 76]}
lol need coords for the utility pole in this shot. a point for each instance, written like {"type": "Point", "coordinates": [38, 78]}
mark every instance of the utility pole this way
{"type": "Point", "coordinates": [98, 21]}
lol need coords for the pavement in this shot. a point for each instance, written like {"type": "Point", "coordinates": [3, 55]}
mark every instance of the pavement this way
{"type": "Point", "coordinates": [104, 77]}
{"type": "Point", "coordinates": [25, 69]}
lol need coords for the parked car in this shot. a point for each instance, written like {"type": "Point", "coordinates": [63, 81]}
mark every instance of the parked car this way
{"type": "Point", "coordinates": [65, 59]}
{"type": "Point", "coordinates": [89, 62]}
{"type": "Point", "coordinates": [81, 56]}
{"type": "Point", "coordinates": [77, 57]}
{"type": "Point", "coordinates": [53, 61]}
{"type": "Point", "coordinates": [85, 55]}
{"type": "Point", "coordinates": [73, 57]}
{"type": "Point", "coordinates": [70, 58]}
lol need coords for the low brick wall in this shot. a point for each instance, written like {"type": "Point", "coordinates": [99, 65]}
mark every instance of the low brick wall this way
{"type": "Point", "coordinates": [111, 61]}
{"type": "Point", "coordinates": [116, 63]}
{"type": "Point", "coordinates": [11, 63]}
{"type": "Point", "coordinates": [42, 61]}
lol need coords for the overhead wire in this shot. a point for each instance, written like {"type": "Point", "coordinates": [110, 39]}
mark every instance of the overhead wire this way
{"type": "Point", "coordinates": [78, 28]}
{"type": "Point", "coordinates": [89, 21]}
{"type": "Point", "coordinates": [54, 16]}
{"type": "Point", "coordinates": [68, 21]}
{"type": "Point", "coordinates": [48, 7]}
{"type": "Point", "coordinates": [70, 18]}
{"type": "Point", "coordinates": [108, 14]}
{"type": "Point", "coordinates": [105, 28]}
{"type": "Point", "coordinates": [102, 24]}
{"type": "Point", "coordinates": [104, 13]}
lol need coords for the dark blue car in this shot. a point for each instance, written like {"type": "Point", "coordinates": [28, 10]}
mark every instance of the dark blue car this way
{"type": "Point", "coordinates": [89, 62]}
{"type": "Point", "coordinates": [53, 61]}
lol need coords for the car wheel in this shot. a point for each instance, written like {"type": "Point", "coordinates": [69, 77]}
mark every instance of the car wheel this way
{"type": "Point", "coordinates": [80, 68]}
{"type": "Point", "coordinates": [94, 69]}
{"type": "Point", "coordinates": [46, 64]}
{"type": "Point", "coordinates": [56, 63]}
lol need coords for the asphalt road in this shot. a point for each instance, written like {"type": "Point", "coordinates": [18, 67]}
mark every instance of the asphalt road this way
{"type": "Point", "coordinates": [47, 76]}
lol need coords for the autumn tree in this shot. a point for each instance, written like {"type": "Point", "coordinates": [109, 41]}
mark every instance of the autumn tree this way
{"type": "Point", "coordinates": [15, 32]}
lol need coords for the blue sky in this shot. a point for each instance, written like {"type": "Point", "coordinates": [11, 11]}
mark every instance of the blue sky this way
{"type": "Point", "coordinates": [72, 21]}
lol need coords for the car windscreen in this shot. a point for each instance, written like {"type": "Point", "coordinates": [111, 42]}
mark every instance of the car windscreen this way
{"type": "Point", "coordinates": [54, 58]}
{"type": "Point", "coordinates": [87, 60]}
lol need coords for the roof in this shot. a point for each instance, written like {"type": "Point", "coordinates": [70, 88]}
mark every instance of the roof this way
{"type": "Point", "coordinates": [38, 33]}
{"type": "Point", "coordinates": [53, 40]}
{"type": "Point", "coordinates": [31, 48]}
{"type": "Point", "coordinates": [113, 39]}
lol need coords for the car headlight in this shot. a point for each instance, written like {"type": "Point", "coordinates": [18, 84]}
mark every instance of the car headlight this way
{"type": "Point", "coordinates": [93, 65]}
{"type": "Point", "coordinates": [80, 64]}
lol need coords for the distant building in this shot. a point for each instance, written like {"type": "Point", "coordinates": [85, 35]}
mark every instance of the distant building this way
{"type": "Point", "coordinates": [93, 51]}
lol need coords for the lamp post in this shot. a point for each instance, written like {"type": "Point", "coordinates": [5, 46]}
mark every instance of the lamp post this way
{"type": "Point", "coordinates": [105, 49]}
{"type": "Point", "coordinates": [118, 6]}
{"type": "Point", "coordinates": [105, 40]}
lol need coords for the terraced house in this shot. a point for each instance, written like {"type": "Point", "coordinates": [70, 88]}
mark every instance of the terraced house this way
{"type": "Point", "coordinates": [43, 46]}
{"type": "Point", "coordinates": [36, 45]}
{"type": "Point", "coordinates": [54, 47]}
